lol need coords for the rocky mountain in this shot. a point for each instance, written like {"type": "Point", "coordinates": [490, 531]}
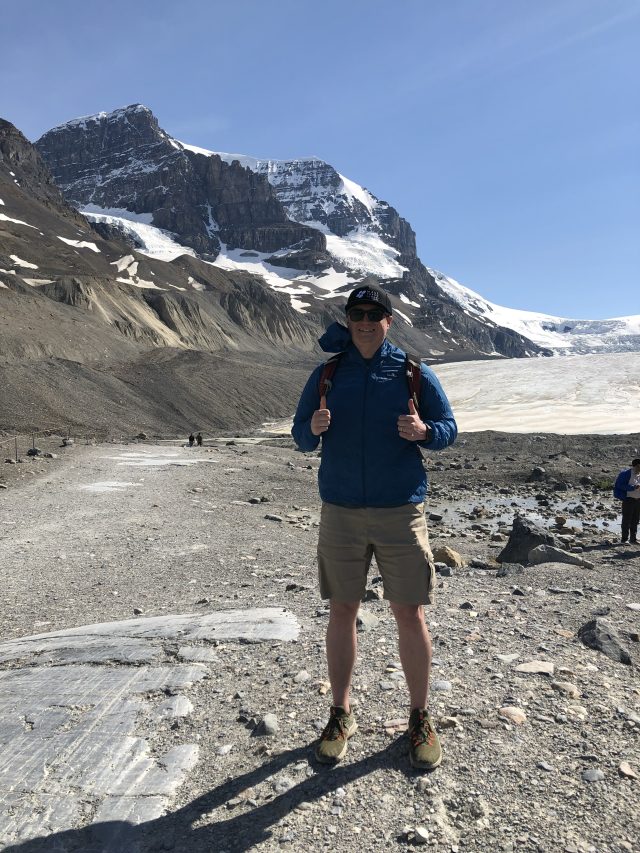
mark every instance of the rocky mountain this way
{"type": "Point", "coordinates": [305, 229]}
{"type": "Point", "coordinates": [562, 335]}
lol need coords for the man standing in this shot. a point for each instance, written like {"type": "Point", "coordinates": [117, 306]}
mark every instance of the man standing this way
{"type": "Point", "coordinates": [627, 489]}
{"type": "Point", "coordinates": [373, 485]}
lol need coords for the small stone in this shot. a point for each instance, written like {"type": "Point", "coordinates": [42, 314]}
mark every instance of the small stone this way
{"type": "Point", "coordinates": [420, 835]}
{"type": "Point", "coordinates": [593, 774]}
{"type": "Point", "coordinates": [397, 724]}
{"type": "Point", "coordinates": [268, 726]}
{"type": "Point", "coordinates": [366, 620]}
{"type": "Point", "coordinates": [507, 658]}
{"type": "Point", "coordinates": [301, 676]}
{"type": "Point", "coordinates": [225, 749]}
{"type": "Point", "coordinates": [271, 517]}
{"type": "Point", "coordinates": [442, 686]}
{"type": "Point", "coordinates": [513, 714]}
{"type": "Point", "coordinates": [566, 688]}
{"type": "Point", "coordinates": [507, 570]}
{"type": "Point", "coordinates": [138, 611]}
{"type": "Point", "coordinates": [447, 555]}
{"type": "Point", "coordinates": [541, 667]}
{"type": "Point", "coordinates": [626, 770]}
{"type": "Point", "coordinates": [282, 785]}
{"type": "Point", "coordinates": [544, 766]}
{"type": "Point", "coordinates": [449, 723]}
{"type": "Point", "coordinates": [375, 594]}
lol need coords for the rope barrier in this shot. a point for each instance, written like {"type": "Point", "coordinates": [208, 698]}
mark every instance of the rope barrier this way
{"type": "Point", "coordinates": [44, 432]}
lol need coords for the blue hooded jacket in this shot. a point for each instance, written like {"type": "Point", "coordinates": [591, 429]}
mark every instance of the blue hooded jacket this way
{"type": "Point", "coordinates": [621, 486]}
{"type": "Point", "coordinates": [365, 462]}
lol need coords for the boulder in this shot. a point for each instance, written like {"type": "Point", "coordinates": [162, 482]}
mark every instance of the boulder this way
{"type": "Point", "coordinates": [524, 536]}
{"type": "Point", "coordinates": [551, 554]}
{"type": "Point", "coordinates": [537, 475]}
{"type": "Point", "coordinates": [602, 636]}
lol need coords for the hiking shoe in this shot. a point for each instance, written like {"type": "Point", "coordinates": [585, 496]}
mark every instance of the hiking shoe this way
{"type": "Point", "coordinates": [332, 745]}
{"type": "Point", "coordinates": [425, 751]}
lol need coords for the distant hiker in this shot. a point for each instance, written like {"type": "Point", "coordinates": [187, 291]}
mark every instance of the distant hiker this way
{"type": "Point", "coordinates": [199, 439]}
{"type": "Point", "coordinates": [191, 440]}
{"type": "Point", "coordinates": [627, 489]}
{"type": "Point", "coordinates": [373, 486]}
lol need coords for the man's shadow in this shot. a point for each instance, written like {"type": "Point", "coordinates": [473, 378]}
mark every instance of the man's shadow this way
{"type": "Point", "coordinates": [240, 832]}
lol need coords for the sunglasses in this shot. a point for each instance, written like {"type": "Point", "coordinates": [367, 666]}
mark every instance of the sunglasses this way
{"type": "Point", "coordinates": [374, 315]}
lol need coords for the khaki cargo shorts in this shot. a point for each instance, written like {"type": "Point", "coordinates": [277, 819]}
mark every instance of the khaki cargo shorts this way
{"type": "Point", "coordinates": [397, 536]}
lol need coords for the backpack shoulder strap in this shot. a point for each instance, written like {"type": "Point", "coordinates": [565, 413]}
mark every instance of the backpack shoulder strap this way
{"type": "Point", "coordinates": [413, 374]}
{"type": "Point", "coordinates": [328, 370]}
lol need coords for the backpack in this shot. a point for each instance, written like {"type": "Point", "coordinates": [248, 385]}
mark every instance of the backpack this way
{"type": "Point", "coordinates": [411, 370]}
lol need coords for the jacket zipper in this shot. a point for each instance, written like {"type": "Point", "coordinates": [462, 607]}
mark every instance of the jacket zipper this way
{"type": "Point", "coordinates": [362, 442]}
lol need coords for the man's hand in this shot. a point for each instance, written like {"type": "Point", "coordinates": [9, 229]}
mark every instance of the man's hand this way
{"type": "Point", "coordinates": [411, 426]}
{"type": "Point", "coordinates": [321, 418]}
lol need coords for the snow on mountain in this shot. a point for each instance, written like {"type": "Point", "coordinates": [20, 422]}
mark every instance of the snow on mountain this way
{"type": "Point", "coordinates": [163, 246]}
{"type": "Point", "coordinates": [313, 193]}
{"type": "Point", "coordinates": [563, 335]}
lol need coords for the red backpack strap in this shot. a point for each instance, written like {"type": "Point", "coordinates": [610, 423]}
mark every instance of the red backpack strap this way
{"type": "Point", "coordinates": [414, 376]}
{"type": "Point", "coordinates": [326, 377]}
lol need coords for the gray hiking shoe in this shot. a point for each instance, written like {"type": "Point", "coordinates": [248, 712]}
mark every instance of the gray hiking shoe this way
{"type": "Point", "coordinates": [332, 745]}
{"type": "Point", "coordinates": [425, 752]}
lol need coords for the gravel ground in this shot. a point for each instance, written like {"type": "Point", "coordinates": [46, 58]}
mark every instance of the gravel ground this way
{"type": "Point", "coordinates": [90, 536]}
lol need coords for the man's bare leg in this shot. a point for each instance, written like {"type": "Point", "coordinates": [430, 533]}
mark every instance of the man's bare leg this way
{"type": "Point", "coordinates": [342, 647]}
{"type": "Point", "coordinates": [414, 644]}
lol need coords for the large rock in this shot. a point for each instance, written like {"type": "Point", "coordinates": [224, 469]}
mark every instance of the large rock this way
{"type": "Point", "coordinates": [448, 556]}
{"type": "Point", "coordinates": [551, 554]}
{"type": "Point", "coordinates": [602, 636]}
{"type": "Point", "coordinates": [525, 535]}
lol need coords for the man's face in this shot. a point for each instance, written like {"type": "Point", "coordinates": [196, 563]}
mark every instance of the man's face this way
{"type": "Point", "coordinates": [368, 334]}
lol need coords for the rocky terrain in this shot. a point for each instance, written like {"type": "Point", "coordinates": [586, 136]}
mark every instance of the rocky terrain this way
{"type": "Point", "coordinates": [540, 730]}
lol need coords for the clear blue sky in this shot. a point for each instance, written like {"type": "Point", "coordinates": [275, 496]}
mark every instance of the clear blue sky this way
{"type": "Point", "coordinates": [506, 131]}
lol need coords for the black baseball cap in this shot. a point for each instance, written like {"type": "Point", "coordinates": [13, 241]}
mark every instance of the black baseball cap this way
{"type": "Point", "coordinates": [368, 295]}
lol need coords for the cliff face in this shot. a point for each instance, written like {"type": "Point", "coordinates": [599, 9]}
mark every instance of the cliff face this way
{"type": "Point", "coordinates": [124, 160]}
{"type": "Point", "coordinates": [22, 163]}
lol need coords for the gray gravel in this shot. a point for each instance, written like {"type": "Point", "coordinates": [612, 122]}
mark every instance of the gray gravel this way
{"type": "Point", "coordinates": [187, 539]}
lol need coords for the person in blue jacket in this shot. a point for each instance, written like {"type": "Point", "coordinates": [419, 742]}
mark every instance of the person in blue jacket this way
{"type": "Point", "coordinates": [627, 489]}
{"type": "Point", "coordinates": [373, 485]}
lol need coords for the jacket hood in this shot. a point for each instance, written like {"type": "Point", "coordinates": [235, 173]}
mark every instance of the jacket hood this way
{"type": "Point", "coordinates": [335, 339]}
